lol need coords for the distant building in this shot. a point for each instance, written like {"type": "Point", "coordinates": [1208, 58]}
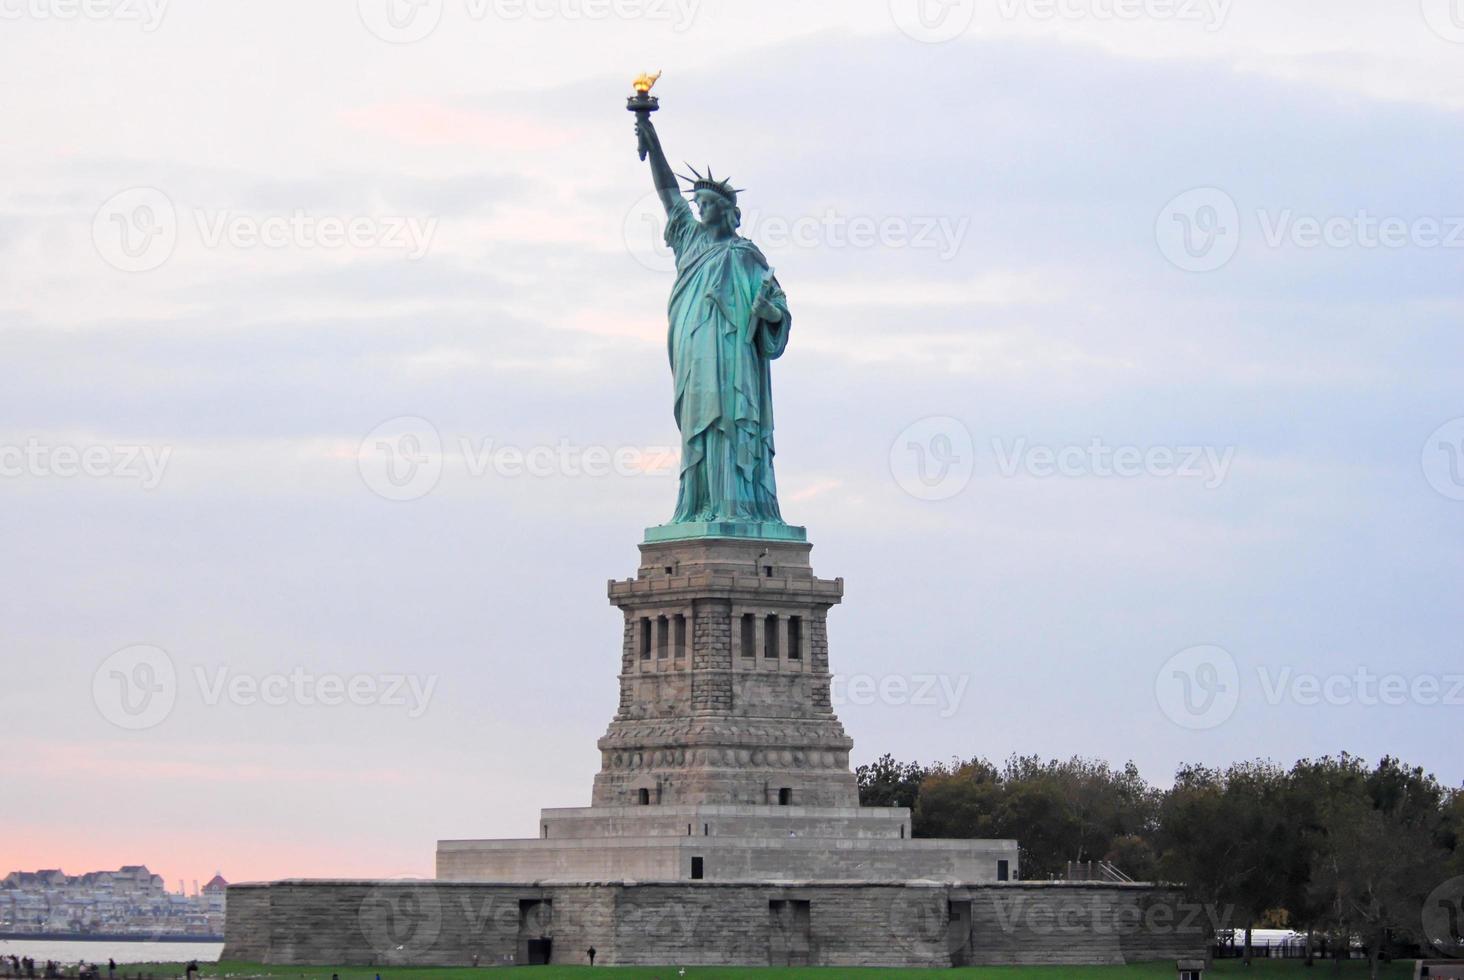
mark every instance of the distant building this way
{"type": "Point", "coordinates": [215, 894]}
{"type": "Point", "coordinates": [129, 900]}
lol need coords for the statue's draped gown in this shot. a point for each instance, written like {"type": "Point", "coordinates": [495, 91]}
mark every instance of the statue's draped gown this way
{"type": "Point", "coordinates": [719, 359]}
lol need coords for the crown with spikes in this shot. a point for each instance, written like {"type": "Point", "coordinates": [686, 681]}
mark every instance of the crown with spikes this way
{"type": "Point", "coordinates": [710, 184]}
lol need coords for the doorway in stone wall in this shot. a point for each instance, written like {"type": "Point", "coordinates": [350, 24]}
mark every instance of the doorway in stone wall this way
{"type": "Point", "coordinates": [958, 933]}
{"type": "Point", "coordinates": [535, 931]}
{"type": "Point", "coordinates": [790, 932]}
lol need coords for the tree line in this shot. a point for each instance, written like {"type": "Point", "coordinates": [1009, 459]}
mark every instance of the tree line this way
{"type": "Point", "coordinates": [1332, 847]}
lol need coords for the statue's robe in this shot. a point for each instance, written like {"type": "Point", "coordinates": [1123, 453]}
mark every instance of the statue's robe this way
{"type": "Point", "coordinates": [720, 355]}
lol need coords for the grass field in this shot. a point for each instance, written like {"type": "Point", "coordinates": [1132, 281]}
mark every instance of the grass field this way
{"type": "Point", "coordinates": [1261, 969]}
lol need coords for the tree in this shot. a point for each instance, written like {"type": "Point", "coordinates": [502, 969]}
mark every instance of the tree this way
{"type": "Point", "coordinates": [886, 782]}
{"type": "Point", "coordinates": [1227, 837]}
{"type": "Point", "coordinates": [1381, 838]}
{"type": "Point", "coordinates": [1370, 871]}
{"type": "Point", "coordinates": [1311, 786]}
{"type": "Point", "coordinates": [959, 800]}
{"type": "Point", "coordinates": [1135, 855]}
{"type": "Point", "coordinates": [1058, 811]}
{"type": "Point", "coordinates": [1332, 845]}
{"type": "Point", "coordinates": [1453, 832]}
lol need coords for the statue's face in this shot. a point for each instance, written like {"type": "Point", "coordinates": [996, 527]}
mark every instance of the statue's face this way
{"type": "Point", "coordinates": [712, 208]}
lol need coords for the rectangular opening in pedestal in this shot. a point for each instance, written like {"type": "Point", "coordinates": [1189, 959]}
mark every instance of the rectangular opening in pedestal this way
{"type": "Point", "coordinates": [785, 797]}
{"type": "Point", "coordinates": [749, 635]}
{"type": "Point", "coordinates": [795, 637]}
{"type": "Point", "coordinates": [679, 636]}
{"type": "Point", "coordinates": [958, 932]}
{"type": "Point", "coordinates": [698, 869]}
{"type": "Point", "coordinates": [645, 638]}
{"type": "Point", "coordinates": [663, 637]}
{"type": "Point", "coordinates": [1003, 871]}
{"type": "Point", "coordinates": [535, 924]}
{"type": "Point", "coordinates": [770, 638]}
{"type": "Point", "coordinates": [790, 932]}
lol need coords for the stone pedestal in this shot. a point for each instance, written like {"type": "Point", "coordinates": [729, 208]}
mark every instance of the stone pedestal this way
{"type": "Point", "coordinates": [725, 761]}
{"type": "Point", "coordinates": [724, 681]}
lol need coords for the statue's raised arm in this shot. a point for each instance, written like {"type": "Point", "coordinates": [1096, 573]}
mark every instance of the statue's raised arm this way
{"type": "Point", "coordinates": [662, 175]}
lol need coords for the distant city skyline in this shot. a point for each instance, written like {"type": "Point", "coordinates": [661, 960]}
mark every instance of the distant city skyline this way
{"type": "Point", "coordinates": [185, 885]}
{"type": "Point", "coordinates": [130, 900]}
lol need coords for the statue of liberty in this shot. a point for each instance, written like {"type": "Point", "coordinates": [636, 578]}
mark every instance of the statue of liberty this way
{"type": "Point", "coordinates": [728, 320]}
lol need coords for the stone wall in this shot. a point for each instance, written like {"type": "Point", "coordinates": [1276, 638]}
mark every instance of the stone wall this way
{"type": "Point", "coordinates": [725, 821]}
{"type": "Point", "coordinates": [1082, 923]}
{"type": "Point", "coordinates": [666, 858]}
{"type": "Point", "coordinates": [246, 921]}
{"type": "Point", "coordinates": [708, 923]}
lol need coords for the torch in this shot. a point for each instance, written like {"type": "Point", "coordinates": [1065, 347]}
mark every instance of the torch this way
{"type": "Point", "coordinates": [643, 103]}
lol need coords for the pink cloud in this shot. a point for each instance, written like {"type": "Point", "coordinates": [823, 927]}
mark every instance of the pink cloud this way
{"type": "Point", "coordinates": [177, 850]}
{"type": "Point", "coordinates": [189, 811]}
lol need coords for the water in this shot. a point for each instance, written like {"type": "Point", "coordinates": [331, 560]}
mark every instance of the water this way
{"type": "Point", "coordinates": [121, 950]}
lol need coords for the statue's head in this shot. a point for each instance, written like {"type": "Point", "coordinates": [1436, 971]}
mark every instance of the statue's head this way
{"type": "Point", "coordinates": [716, 201]}
{"type": "Point", "coordinates": [717, 211]}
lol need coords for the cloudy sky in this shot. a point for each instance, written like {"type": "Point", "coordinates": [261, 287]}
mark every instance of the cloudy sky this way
{"type": "Point", "coordinates": [1124, 392]}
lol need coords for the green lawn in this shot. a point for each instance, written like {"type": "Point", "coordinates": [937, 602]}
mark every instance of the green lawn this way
{"type": "Point", "coordinates": [1269, 969]}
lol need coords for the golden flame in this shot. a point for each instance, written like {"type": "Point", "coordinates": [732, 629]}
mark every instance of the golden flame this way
{"type": "Point", "coordinates": [644, 83]}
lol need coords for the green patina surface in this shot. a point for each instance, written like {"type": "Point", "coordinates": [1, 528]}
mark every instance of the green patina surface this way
{"type": "Point", "coordinates": [765, 531]}
{"type": "Point", "coordinates": [728, 320]}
